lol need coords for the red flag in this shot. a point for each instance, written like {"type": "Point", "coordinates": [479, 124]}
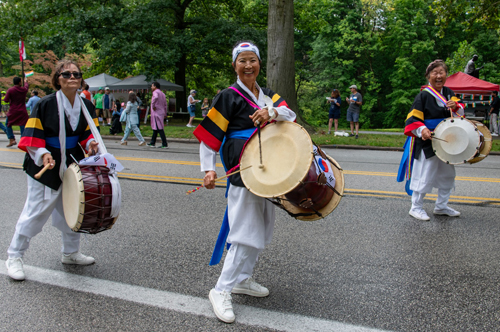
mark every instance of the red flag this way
{"type": "Point", "coordinates": [22, 51]}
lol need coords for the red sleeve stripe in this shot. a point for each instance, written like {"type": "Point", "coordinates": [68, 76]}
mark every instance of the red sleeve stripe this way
{"type": "Point", "coordinates": [84, 142]}
{"type": "Point", "coordinates": [34, 142]}
{"type": "Point", "coordinates": [412, 126]}
{"type": "Point", "coordinates": [203, 135]}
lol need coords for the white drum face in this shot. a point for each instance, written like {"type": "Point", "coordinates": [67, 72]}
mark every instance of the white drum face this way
{"type": "Point", "coordinates": [286, 156]}
{"type": "Point", "coordinates": [462, 141]}
{"type": "Point", "coordinates": [73, 197]}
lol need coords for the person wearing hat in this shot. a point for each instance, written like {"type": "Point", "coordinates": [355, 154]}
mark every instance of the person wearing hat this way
{"type": "Point", "coordinates": [191, 107]}
{"type": "Point", "coordinates": [354, 101]}
{"type": "Point", "coordinates": [249, 220]}
{"type": "Point", "coordinates": [98, 103]}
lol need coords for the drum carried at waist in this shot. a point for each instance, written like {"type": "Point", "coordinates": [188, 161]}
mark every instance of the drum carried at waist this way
{"type": "Point", "coordinates": [461, 141]}
{"type": "Point", "coordinates": [87, 198]}
{"type": "Point", "coordinates": [295, 174]}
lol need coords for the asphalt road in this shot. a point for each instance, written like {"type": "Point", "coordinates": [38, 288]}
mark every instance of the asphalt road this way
{"type": "Point", "coordinates": [368, 266]}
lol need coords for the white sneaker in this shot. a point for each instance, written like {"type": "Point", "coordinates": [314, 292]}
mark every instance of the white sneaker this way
{"type": "Point", "coordinates": [77, 258]}
{"type": "Point", "coordinates": [223, 307]}
{"type": "Point", "coordinates": [190, 126]}
{"type": "Point", "coordinates": [420, 214]}
{"type": "Point", "coordinates": [15, 268]}
{"type": "Point", "coordinates": [250, 287]}
{"type": "Point", "coordinates": [447, 212]}
{"type": "Point", "coordinates": [494, 134]}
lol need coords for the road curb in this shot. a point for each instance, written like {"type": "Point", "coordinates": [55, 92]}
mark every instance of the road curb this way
{"type": "Point", "coordinates": [326, 146]}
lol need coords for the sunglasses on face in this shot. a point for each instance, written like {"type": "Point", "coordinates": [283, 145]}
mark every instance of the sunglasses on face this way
{"type": "Point", "coordinates": [67, 74]}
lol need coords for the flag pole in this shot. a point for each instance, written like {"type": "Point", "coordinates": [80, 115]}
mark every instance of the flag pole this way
{"type": "Point", "coordinates": [22, 55]}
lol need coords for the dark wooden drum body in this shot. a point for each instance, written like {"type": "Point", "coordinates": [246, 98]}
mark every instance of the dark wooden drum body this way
{"type": "Point", "coordinates": [87, 199]}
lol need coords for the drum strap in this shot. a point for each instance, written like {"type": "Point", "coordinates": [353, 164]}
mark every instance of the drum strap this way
{"type": "Point", "coordinates": [406, 164]}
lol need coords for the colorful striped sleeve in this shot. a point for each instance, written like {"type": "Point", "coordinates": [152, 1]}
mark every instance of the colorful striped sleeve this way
{"type": "Point", "coordinates": [415, 118]}
{"type": "Point", "coordinates": [33, 135]}
{"type": "Point", "coordinates": [213, 128]}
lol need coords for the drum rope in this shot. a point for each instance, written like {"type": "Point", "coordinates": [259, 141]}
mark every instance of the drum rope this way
{"type": "Point", "coordinates": [260, 146]}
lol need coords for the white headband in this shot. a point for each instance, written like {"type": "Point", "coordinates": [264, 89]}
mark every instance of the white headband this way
{"type": "Point", "coordinates": [242, 47]}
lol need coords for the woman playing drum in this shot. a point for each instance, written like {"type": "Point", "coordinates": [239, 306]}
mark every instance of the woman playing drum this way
{"type": "Point", "coordinates": [430, 107]}
{"type": "Point", "coordinates": [229, 123]}
{"type": "Point", "coordinates": [49, 145]}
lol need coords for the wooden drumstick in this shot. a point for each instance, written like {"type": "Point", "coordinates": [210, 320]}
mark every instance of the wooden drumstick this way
{"type": "Point", "coordinates": [39, 174]}
{"type": "Point", "coordinates": [218, 179]}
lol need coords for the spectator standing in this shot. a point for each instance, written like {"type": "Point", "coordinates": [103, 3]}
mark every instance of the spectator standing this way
{"type": "Point", "coordinates": [191, 107]}
{"type": "Point", "coordinates": [204, 107]}
{"type": "Point", "coordinates": [354, 101]}
{"type": "Point", "coordinates": [108, 104]}
{"type": "Point", "coordinates": [5, 105]}
{"type": "Point", "coordinates": [33, 100]}
{"type": "Point", "coordinates": [334, 112]}
{"type": "Point", "coordinates": [98, 104]}
{"type": "Point", "coordinates": [158, 114]}
{"type": "Point", "coordinates": [116, 125]}
{"type": "Point", "coordinates": [132, 120]}
{"type": "Point", "coordinates": [86, 94]}
{"type": "Point", "coordinates": [17, 115]}
{"type": "Point", "coordinates": [494, 110]}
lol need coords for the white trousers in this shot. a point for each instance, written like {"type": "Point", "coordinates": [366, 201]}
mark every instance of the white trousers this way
{"type": "Point", "coordinates": [238, 266]}
{"type": "Point", "coordinates": [417, 199]}
{"type": "Point", "coordinates": [494, 123]}
{"type": "Point", "coordinates": [41, 203]}
{"type": "Point", "coordinates": [431, 173]}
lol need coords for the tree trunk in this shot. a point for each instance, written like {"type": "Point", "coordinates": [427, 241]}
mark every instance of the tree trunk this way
{"type": "Point", "coordinates": [280, 52]}
{"type": "Point", "coordinates": [180, 79]}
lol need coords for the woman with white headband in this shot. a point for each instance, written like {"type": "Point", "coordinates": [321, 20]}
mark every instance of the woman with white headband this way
{"type": "Point", "coordinates": [249, 220]}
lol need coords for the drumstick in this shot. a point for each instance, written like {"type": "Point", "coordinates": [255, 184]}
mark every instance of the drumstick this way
{"type": "Point", "coordinates": [218, 179]}
{"type": "Point", "coordinates": [39, 174]}
{"type": "Point", "coordinates": [440, 139]}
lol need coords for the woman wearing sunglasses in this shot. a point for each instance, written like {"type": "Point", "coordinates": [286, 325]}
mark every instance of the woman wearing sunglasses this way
{"type": "Point", "coordinates": [47, 143]}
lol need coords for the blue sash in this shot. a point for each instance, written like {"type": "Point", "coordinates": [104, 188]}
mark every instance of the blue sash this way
{"type": "Point", "coordinates": [71, 142]}
{"type": "Point", "coordinates": [406, 164]}
{"type": "Point", "coordinates": [224, 229]}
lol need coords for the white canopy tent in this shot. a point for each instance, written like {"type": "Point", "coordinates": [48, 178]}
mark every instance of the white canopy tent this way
{"type": "Point", "coordinates": [101, 81]}
{"type": "Point", "coordinates": [140, 82]}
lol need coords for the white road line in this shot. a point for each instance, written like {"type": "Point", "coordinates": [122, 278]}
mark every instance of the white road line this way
{"type": "Point", "coordinates": [183, 303]}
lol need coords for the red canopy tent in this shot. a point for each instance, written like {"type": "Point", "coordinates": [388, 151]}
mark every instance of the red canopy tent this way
{"type": "Point", "coordinates": [463, 83]}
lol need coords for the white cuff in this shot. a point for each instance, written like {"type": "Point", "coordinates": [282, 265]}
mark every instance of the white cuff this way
{"type": "Point", "coordinates": [36, 154]}
{"type": "Point", "coordinates": [207, 158]}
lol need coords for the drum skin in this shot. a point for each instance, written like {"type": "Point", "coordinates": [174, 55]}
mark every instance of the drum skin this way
{"type": "Point", "coordinates": [287, 154]}
{"type": "Point", "coordinates": [87, 197]}
{"type": "Point", "coordinates": [462, 144]}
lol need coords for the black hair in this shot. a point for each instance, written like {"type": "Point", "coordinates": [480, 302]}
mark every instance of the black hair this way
{"type": "Point", "coordinates": [156, 84]}
{"type": "Point", "coordinates": [35, 92]}
{"type": "Point", "coordinates": [16, 80]}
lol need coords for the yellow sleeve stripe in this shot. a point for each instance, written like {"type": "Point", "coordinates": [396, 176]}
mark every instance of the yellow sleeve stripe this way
{"type": "Point", "coordinates": [276, 97]}
{"type": "Point", "coordinates": [96, 121]}
{"type": "Point", "coordinates": [218, 119]}
{"type": "Point", "coordinates": [34, 123]}
{"type": "Point", "coordinates": [416, 113]}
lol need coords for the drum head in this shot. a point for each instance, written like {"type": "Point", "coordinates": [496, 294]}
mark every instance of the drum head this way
{"type": "Point", "coordinates": [334, 202]}
{"type": "Point", "coordinates": [462, 138]}
{"type": "Point", "coordinates": [487, 142]}
{"type": "Point", "coordinates": [287, 154]}
{"type": "Point", "coordinates": [73, 197]}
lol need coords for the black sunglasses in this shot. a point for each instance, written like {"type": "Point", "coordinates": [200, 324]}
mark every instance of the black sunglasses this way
{"type": "Point", "coordinates": [67, 74]}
